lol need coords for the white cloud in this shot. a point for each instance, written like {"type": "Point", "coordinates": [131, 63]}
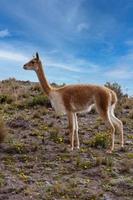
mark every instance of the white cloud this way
{"type": "Point", "coordinates": [4, 33]}
{"type": "Point", "coordinates": [63, 66]}
{"type": "Point", "coordinates": [52, 51]}
{"type": "Point", "coordinates": [123, 68]}
{"type": "Point", "coordinates": [129, 42]}
{"type": "Point", "coordinates": [51, 58]}
{"type": "Point", "coordinates": [82, 26]}
{"type": "Point", "coordinates": [56, 63]}
{"type": "Point", "coordinates": [8, 55]}
{"type": "Point", "coordinates": [119, 73]}
{"type": "Point", "coordinates": [69, 63]}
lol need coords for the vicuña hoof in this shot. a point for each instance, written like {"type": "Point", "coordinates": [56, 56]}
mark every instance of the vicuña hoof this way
{"type": "Point", "coordinates": [109, 151]}
{"type": "Point", "coordinates": [122, 148]}
{"type": "Point", "coordinates": [71, 148]}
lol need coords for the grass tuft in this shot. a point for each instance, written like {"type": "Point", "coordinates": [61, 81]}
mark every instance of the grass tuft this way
{"type": "Point", "coordinates": [100, 140]}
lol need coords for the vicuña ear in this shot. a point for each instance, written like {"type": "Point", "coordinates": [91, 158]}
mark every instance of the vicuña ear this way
{"type": "Point", "coordinates": [37, 55]}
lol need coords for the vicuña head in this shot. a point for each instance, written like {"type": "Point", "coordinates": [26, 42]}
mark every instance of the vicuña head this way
{"type": "Point", "coordinates": [33, 64]}
{"type": "Point", "coordinates": [36, 65]}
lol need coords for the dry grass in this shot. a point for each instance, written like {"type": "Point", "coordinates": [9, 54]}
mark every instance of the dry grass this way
{"type": "Point", "coordinates": [3, 131]}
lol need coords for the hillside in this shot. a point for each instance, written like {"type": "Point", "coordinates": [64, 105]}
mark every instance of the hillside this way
{"type": "Point", "coordinates": [36, 162]}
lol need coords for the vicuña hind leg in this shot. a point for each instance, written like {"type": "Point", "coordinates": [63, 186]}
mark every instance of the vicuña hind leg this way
{"type": "Point", "coordinates": [117, 123]}
{"type": "Point", "coordinates": [112, 130]}
{"type": "Point", "coordinates": [105, 114]}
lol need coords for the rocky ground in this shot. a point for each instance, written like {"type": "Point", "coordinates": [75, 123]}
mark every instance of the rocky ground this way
{"type": "Point", "coordinates": [36, 162]}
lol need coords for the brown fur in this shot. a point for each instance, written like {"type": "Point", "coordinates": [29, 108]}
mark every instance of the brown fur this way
{"type": "Point", "coordinates": [81, 95]}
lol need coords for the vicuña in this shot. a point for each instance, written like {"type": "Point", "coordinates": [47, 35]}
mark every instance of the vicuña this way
{"type": "Point", "coordinates": [73, 99]}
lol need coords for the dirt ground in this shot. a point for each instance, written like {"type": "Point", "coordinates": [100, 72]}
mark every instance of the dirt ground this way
{"type": "Point", "coordinates": [36, 162]}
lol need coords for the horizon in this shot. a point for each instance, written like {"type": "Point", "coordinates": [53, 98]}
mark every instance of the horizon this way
{"type": "Point", "coordinates": [84, 41]}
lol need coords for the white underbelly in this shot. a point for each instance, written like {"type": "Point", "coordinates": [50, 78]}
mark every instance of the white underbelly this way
{"type": "Point", "coordinates": [82, 109]}
{"type": "Point", "coordinates": [57, 103]}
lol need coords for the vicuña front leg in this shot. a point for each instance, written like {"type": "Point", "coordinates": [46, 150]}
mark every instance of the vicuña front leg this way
{"type": "Point", "coordinates": [71, 119]}
{"type": "Point", "coordinates": [76, 132]}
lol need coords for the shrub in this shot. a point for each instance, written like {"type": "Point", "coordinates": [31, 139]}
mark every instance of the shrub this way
{"type": "Point", "coordinates": [54, 135]}
{"type": "Point", "coordinates": [83, 164]}
{"type": "Point", "coordinates": [3, 131]}
{"type": "Point", "coordinates": [127, 103]}
{"type": "Point", "coordinates": [108, 161]}
{"type": "Point", "coordinates": [36, 87]}
{"type": "Point", "coordinates": [100, 140]}
{"type": "Point", "coordinates": [38, 100]}
{"type": "Point", "coordinates": [2, 179]}
{"type": "Point", "coordinates": [116, 87]}
{"type": "Point", "coordinates": [131, 114]}
{"type": "Point", "coordinates": [126, 166]}
{"type": "Point", "coordinates": [4, 98]}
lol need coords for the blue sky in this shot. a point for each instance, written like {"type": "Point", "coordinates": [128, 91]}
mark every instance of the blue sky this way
{"type": "Point", "coordinates": [79, 41]}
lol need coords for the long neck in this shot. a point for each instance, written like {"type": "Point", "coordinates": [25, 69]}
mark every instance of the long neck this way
{"type": "Point", "coordinates": [43, 81]}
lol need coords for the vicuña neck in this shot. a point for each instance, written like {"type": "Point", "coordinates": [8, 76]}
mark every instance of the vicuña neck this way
{"type": "Point", "coordinates": [43, 81]}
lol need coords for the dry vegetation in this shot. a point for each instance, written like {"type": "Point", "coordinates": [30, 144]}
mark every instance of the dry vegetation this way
{"type": "Point", "coordinates": [36, 163]}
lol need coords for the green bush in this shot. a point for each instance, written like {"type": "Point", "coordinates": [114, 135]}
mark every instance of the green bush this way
{"type": "Point", "coordinates": [3, 131]}
{"type": "Point", "coordinates": [83, 164]}
{"type": "Point", "coordinates": [116, 87]}
{"type": "Point", "coordinates": [100, 140]}
{"type": "Point", "coordinates": [4, 98]}
{"type": "Point", "coordinates": [36, 87]}
{"type": "Point", "coordinates": [108, 161]}
{"type": "Point", "coordinates": [131, 114]}
{"type": "Point", "coordinates": [2, 179]}
{"type": "Point", "coordinates": [54, 135]}
{"type": "Point", "coordinates": [38, 100]}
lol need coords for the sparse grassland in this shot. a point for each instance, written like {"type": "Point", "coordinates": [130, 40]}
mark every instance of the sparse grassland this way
{"type": "Point", "coordinates": [35, 159]}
